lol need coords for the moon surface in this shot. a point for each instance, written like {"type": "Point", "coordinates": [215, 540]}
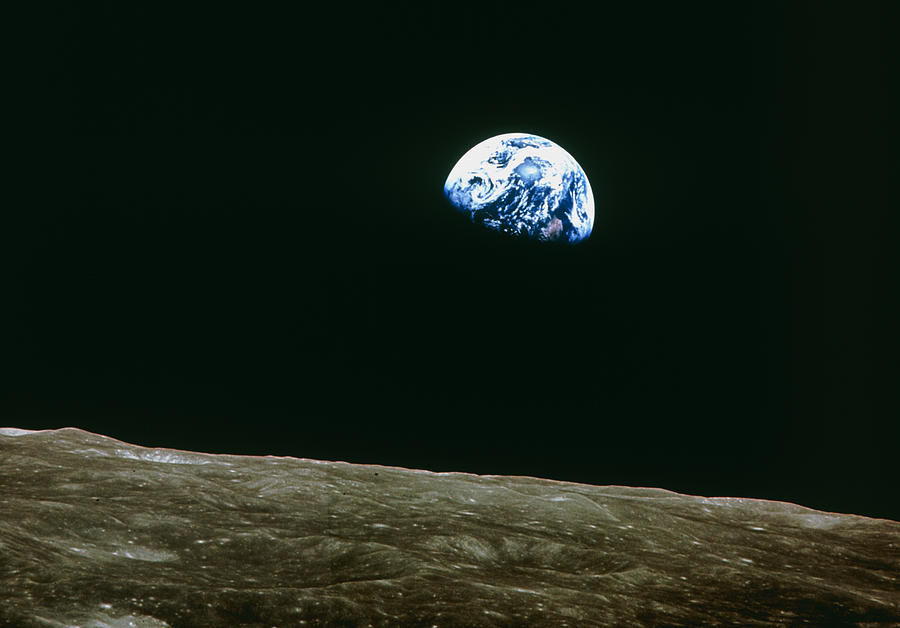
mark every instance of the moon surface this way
{"type": "Point", "coordinates": [98, 533]}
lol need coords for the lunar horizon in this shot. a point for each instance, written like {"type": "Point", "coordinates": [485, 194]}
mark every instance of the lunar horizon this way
{"type": "Point", "coordinates": [101, 533]}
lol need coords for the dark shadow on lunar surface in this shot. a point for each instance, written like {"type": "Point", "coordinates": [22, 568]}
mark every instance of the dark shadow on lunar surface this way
{"type": "Point", "coordinates": [96, 532]}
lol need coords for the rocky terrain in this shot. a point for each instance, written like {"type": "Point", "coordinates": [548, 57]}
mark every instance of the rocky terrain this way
{"type": "Point", "coordinates": [95, 532]}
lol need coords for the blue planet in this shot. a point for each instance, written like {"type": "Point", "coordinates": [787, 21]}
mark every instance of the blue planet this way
{"type": "Point", "coordinates": [525, 186]}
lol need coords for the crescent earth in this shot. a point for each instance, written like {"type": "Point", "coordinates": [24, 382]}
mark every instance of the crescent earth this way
{"type": "Point", "coordinates": [523, 185]}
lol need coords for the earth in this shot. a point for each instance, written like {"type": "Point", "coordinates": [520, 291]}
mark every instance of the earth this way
{"type": "Point", "coordinates": [525, 186]}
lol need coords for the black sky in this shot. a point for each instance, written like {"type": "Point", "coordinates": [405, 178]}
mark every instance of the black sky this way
{"type": "Point", "coordinates": [241, 243]}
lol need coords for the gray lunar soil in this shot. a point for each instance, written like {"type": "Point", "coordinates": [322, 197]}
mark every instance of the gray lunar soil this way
{"type": "Point", "coordinates": [95, 532]}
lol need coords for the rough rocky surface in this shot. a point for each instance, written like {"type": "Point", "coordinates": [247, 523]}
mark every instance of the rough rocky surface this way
{"type": "Point", "coordinates": [96, 532]}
